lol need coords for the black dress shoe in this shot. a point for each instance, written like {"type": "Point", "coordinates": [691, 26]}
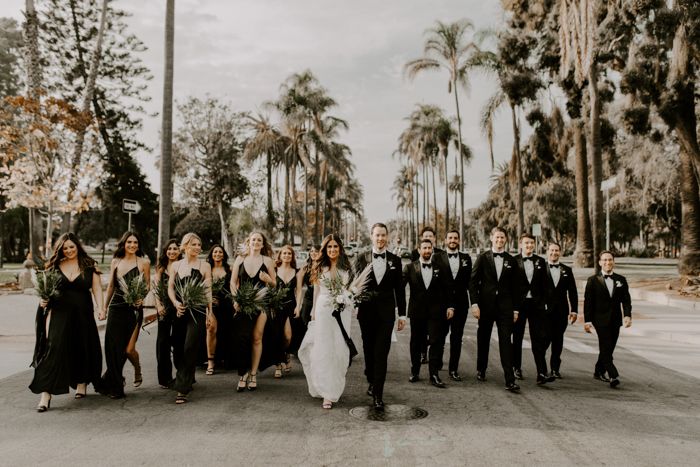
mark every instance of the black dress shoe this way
{"type": "Point", "coordinates": [614, 383]}
{"type": "Point", "coordinates": [413, 379]}
{"type": "Point", "coordinates": [543, 378]}
{"type": "Point", "coordinates": [518, 373]}
{"type": "Point", "coordinates": [437, 382]}
{"type": "Point", "coordinates": [423, 359]}
{"type": "Point", "coordinates": [512, 387]}
{"type": "Point", "coordinates": [481, 376]}
{"type": "Point", "coordinates": [378, 404]}
{"type": "Point", "coordinates": [454, 376]}
{"type": "Point", "coordinates": [555, 374]}
{"type": "Point", "coordinates": [601, 377]}
{"type": "Point", "coordinates": [370, 390]}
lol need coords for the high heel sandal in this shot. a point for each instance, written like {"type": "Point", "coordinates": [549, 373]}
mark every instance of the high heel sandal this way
{"type": "Point", "coordinates": [180, 398]}
{"type": "Point", "coordinates": [43, 408]}
{"type": "Point", "coordinates": [242, 382]}
{"type": "Point", "coordinates": [278, 371]}
{"type": "Point", "coordinates": [80, 395]}
{"type": "Point", "coordinates": [210, 369]}
{"type": "Point", "coordinates": [252, 382]}
{"type": "Point", "coordinates": [138, 377]}
{"type": "Point", "coordinates": [327, 404]}
{"type": "Point", "coordinates": [288, 364]}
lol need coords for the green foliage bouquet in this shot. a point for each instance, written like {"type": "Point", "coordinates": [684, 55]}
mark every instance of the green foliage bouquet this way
{"type": "Point", "coordinates": [48, 284]}
{"type": "Point", "coordinates": [251, 300]}
{"type": "Point", "coordinates": [276, 299]}
{"type": "Point", "coordinates": [194, 295]}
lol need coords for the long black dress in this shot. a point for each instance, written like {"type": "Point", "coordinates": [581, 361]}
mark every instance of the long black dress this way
{"type": "Point", "coordinates": [223, 312]}
{"type": "Point", "coordinates": [164, 342]}
{"type": "Point", "coordinates": [186, 332]}
{"type": "Point", "coordinates": [274, 349]}
{"type": "Point", "coordinates": [70, 354]}
{"type": "Point", "coordinates": [297, 324]}
{"type": "Point", "coordinates": [307, 301]}
{"type": "Point", "coordinates": [122, 320]}
{"type": "Point", "coordinates": [243, 325]}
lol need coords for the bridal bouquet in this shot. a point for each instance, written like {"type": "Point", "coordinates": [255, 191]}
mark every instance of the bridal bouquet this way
{"type": "Point", "coordinates": [251, 300]}
{"type": "Point", "coordinates": [344, 294]}
{"type": "Point", "coordinates": [193, 294]}
{"type": "Point", "coordinates": [47, 284]}
{"type": "Point", "coordinates": [276, 299]}
{"type": "Point", "coordinates": [133, 290]}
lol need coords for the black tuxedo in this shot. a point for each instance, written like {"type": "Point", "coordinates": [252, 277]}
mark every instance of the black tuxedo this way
{"type": "Point", "coordinates": [376, 316]}
{"type": "Point", "coordinates": [427, 311]}
{"type": "Point", "coordinates": [459, 288]}
{"type": "Point", "coordinates": [561, 299]}
{"type": "Point", "coordinates": [532, 311]}
{"type": "Point", "coordinates": [605, 313]}
{"type": "Point", "coordinates": [497, 299]}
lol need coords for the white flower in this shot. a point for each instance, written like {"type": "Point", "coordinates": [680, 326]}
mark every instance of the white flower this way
{"type": "Point", "coordinates": [340, 300]}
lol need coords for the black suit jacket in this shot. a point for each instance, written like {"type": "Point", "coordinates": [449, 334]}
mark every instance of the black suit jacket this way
{"type": "Point", "coordinates": [491, 293]}
{"type": "Point", "coordinates": [600, 308]}
{"type": "Point", "coordinates": [430, 302]}
{"type": "Point", "coordinates": [536, 287]}
{"type": "Point", "coordinates": [459, 286]}
{"type": "Point", "coordinates": [561, 299]}
{"type": "Point", "coordinates": [386, 295]}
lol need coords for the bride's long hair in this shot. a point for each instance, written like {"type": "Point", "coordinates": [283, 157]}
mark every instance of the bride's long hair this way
{"type": "Point", "coordinates": [324, 261]}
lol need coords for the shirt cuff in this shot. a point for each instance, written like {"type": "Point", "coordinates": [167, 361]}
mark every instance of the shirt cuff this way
{"type": "Point", "coordinates": [588, 323]}
{"type": "Point", "coordinates": [402, 318]}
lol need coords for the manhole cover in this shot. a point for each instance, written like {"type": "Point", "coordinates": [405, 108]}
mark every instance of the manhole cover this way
{"type": "Point", "coordinates": [391, 413]}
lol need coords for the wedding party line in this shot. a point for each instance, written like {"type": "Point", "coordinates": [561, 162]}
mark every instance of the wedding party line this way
{"type": "Point", "coordinates": [264, 308]}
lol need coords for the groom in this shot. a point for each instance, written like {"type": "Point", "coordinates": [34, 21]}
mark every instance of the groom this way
{"type": "Point", "coordinates": [376, 315]}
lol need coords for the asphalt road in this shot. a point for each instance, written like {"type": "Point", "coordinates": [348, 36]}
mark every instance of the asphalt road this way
{"type": "Point", "coordinates": [652, 419]}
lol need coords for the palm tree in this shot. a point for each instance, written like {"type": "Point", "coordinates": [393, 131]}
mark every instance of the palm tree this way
{"type": "Point", "coordinates": [165, 202]}
{"type": "Point", "coordinates": [447, 48]}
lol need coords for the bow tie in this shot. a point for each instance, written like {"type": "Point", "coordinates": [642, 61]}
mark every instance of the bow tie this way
{"type": "Point", "coordinates": [452, 255]}
{"type": "Point", "coordinates": [426, 265]}
{"type": "Point", "coordinates": [379, 255]}
{"type": "Point", "coordinates": [528, 258]}
{"type": "Point", "coordinates": [553, 266]}
{"type": "Point", "coordinates": [497, 255]}
{"type": "Point", "coordinates": [607, 276]}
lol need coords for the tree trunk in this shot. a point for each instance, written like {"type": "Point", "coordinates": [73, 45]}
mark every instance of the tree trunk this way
{"type": "Point", "coordinates": [317, 199]}
{"type": "Point", "coordinates": [415, 229]}
{"type": "Point", "coordinates": [461, 166]}
{"type": "Point", "coordinates": [426, 207]}
{"type": "Point", "coordinates": [583, 254]}
{"type": "Point", "coordinates": [270, 211]}
{"type": "Point", "coordinates": [88, 94]}
{"type": "Point", "coordinates": [225, 241]}
{"type": "Point", "coordinates": [447, 193]}
{"type": "Point", "coordinates": [165, 202]}
{"type": "Point", "coordinates": [517, 165]}
{"type": "Point", "coordinates": [435, 208]}
{"type": "Point", "coordinates": [595, 156]}
{"type": "Point", "coordinates": [285, 233]}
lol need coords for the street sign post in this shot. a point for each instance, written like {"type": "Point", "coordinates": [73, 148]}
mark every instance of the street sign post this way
{"type": "Point", "coordinates": [537, 232]}
{"type": "Point", "coordinates": [606, 186]}
{"type": "Point", "coordinates": [130, 207]}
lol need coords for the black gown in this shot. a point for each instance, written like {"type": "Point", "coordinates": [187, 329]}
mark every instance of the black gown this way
{"type": "Point", "coordinates": [243, 325]}
{"type": "Point", "coordinates": [122, 320]}
{"type": "Point", "coordinates": [274, 350]}
{"type": "Point", "coordinates": [71, 353]}
{"type": "Point", "coordinates": [223, 312]}
{"type": "Point", "coordinates": [307, 301]}
{"type": "Point", "coordinates": [297, 324]}
{"type": "Point", "coordinates": [186, 335]}
{"type": "Point", "coordinates": [164, 343]}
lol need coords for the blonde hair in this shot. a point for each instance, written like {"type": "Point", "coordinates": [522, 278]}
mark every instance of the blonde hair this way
{"type": "Point", "coordinates": [266, 249]}
{"type": "Point", "coordinates": [187, 239]}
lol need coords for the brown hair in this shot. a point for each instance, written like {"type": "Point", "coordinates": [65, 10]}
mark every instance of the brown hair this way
{"type": "Point", "coordinates": [278, 257]}
{"type": "Point", "coordinates": [325, 262]}
{"type": "Point", "coordinates": [84, 260]}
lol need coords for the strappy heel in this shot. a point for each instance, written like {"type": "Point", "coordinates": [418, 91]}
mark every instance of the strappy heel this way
{"type": "Point", "coordinates": [43, 408]}
{"type": "Point", "coordinates": [278, 372]}
{"type": "Point", "coordinates": [288, 364]}
{"type": "Point", "coordinates": [210, 366]}
{"type": "Point", "coordinates": [138, 377]}
{"type": "Point", "coordinates": [80, 395]}
{"type": "Point", "coordinates": [327, 404]}
{"type": "Point", "coordinates": [180, 398]}
{"type": "Point", "coordinates": [252, 382]}
{"type": "Point", "coordinates": [242, 383]}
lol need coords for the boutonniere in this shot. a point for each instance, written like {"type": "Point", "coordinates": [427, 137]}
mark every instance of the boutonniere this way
{"type": "Point", "coordinates": [506, 265]}
{"type": "Point", "coordinates": [464, 263]}
{"type": "Point", "coordinates": [435, 273]}
{"type": "Point", "coordinates": [618, 284]}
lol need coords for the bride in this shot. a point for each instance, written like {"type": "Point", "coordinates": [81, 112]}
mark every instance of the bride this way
{"type": "Point", "coordinates": [324, 354]}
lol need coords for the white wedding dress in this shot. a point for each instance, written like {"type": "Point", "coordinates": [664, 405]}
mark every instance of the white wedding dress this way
{"type": "Point", "coordinates": [323, 352]}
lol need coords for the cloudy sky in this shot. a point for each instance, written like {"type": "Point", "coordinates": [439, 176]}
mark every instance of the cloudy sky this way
{"type": "Point", "coordinates": [241, 51]}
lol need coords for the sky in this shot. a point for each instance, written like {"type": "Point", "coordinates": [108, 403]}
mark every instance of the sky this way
{"type": "Point", "coordinates": [242, 51]}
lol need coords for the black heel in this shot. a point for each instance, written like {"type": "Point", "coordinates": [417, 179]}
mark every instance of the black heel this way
{"type": "Point", "coordinates": [244, 380]}
{"type": "Point", "coordinates": [44, 408]}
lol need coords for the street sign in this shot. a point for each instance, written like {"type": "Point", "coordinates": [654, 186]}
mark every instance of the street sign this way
{"type": "Point", "coordinates": [537, 230]}
{"type": "Point", "coordinates": [130, 206]}
{"type": "Point", "coordinates": [608, 184]}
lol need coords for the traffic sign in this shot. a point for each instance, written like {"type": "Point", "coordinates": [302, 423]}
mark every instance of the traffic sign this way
{"type": "Point", "coordinates": [608, 184]}
{"type": "Point", "coordinates": [130, 206]}
{"type": "Point", "coordinates": [537, 230]}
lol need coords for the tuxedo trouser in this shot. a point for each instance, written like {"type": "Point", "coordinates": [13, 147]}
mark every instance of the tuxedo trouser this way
{"type": "Point", "coordinates": [186, 336]}
{"type": "Point", "coordinates": [455, 327]}
{"type": "Point", "coordinates": [436, 342]}
{"type": "Point", "coordinates": [164, 348]}
{"type": "Point", "coordinates": [539, 339]}
{"type": "Point", "coordinates": [607, 340]}
{"type": "Point", "coordinates": [519, 332]}
{"type": "Point", "coordinates": [504, 324]}
{"type": "Point", "coordinates": [419, 336]}
{"type": "Point", "coordinates": [376, 342]}
{"type": "Point", "coordinates": [556, 327]}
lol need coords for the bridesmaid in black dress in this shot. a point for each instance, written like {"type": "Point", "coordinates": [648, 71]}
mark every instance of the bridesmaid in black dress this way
{"type": "Point", "coordinates": [219, 332]}
{"type": "Point", "coordinates": [305, 289]}
{"type": "Point", "coordinates": [123, 320]}
{"type": "Point", "coordinates": [67, 351]}
{"type": "Point", "coordinates": [188, 323]}
{"type": "Point", "coordinates": [283, 322]}
{"type": "Point", "coordinates": [255, 265]}
{"type": "Point", "coordinates": [166, 315]}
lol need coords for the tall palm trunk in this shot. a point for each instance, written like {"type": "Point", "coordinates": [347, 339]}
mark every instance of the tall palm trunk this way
{"type": "Point", "coordinates": [287, 171]}
{"type": "Point", "coordinates": [583, 254]}
{"type": "Point", "coordinates": [270, 210]}
{"type": "Point", "coordinates": [461, 165]}
{"type": "Point", "coordinates": [305, 213]}
{"type": "Point", "coordinates": [596, 159]}
{"type": "Point", "coordinates": [317, 199]}
{"type": "Point", "coordinates": [88, 95]}
{"type": "Point", "coordinates": [447, 191]}
{"type": "Point", "coordinates": [426, 207]}
{"type": "Point", "coordinates": [435, 208]}
{"type": "Point", "coordinates": [225, 240]}
{"type": "Point", "coordinates": [517, 166]}
{"type": "Point", "coordinates": [415, 229]}
{"type": "Point", "coordinates": [165, 202]}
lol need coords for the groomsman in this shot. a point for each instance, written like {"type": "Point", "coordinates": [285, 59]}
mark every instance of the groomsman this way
{"type": "Point", "coordinates": [562, 304]}
{"type": "Point", "coordinates": [532, 276]}
{"type": "Point", "coordinates": [377, 315]}
{"type": "Point", "coordinates": [606, 300]}
{"type": "Point", "coordinates": [459, 266]}
{"type": "Point", "coordinates": [494, 291]}
{"type": "Point", "coordinates": [429, 309]}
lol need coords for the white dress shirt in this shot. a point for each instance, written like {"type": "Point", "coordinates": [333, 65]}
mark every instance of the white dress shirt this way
{"type": "Point", "coordinates": [454, 262]}
{"type": "Point", "coordinates": [610, 283]}
{"type": "Point", "coordinates": [529, 271]}
{"type": "Point", "coordinates": [556, 273]}
{"type": "Point", "coordinates": [427, 274]}
{"type": "Point", "coordinates": [378, 265]}
{"type": "Point", "coordinates": [498, 261]}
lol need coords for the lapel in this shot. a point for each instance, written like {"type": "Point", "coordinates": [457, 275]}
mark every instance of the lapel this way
{"type": "Point", "coordinates": [604, 286]}
{"type": "Point", "coordinates": [492, 264]}
{"type": "Point", "coordinates": [549, 275]}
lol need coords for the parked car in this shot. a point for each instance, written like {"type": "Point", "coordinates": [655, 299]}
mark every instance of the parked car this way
{"type": "Point", "coordinates": [350, 251]}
